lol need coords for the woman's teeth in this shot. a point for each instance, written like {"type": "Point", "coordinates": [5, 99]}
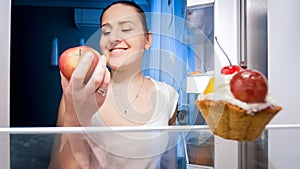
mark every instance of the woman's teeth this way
{"type": "Point", "coordinates": [117, 49]}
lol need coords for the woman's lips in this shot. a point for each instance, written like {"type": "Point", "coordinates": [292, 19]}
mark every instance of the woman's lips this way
{"type": "Point", "coordinates": [117, 51]}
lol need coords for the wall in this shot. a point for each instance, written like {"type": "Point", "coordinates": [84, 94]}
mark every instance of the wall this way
{"type": "Point", "coordinates": [35, 85]}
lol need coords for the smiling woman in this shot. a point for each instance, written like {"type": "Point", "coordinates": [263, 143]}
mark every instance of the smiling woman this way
{"type": "Point", "coordinates": [123, 35]}
{"type": "Point", "coordinates": [119, 97]}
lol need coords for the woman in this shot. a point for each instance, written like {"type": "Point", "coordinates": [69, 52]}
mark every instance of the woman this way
{"type": "Point", "coordinates": [121, 97]}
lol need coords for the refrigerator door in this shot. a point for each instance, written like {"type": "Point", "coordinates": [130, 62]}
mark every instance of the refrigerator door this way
{"type": "Point", "coordinates": [227, 29]}
{"type": "Point", "coordinates": [254, 42]}
{"type": "Point", "coordinates": [254, 53]}
{"type": "Point", "coordinates": [4, 77]}
{"type": "Point", "coordinates": [5, 61]}
{"type": "Point", "coordinates": [283, 69]}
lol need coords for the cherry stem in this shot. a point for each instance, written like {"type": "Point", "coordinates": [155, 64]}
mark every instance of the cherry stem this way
{"type": "Point", "coordinates": [223, 52]}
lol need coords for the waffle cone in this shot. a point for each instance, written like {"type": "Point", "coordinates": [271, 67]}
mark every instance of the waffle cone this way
{"type": "Point", "coordinates": [232, 122]}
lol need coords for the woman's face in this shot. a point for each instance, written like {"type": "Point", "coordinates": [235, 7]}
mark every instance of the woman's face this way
{"type": "Point", "coordinates": [123, 39]}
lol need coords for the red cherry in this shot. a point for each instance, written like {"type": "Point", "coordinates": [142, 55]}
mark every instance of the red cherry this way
{"type": "Point", "coordinates": [249, 86]}
{"type": "Point", "coordinates": [227, 70]}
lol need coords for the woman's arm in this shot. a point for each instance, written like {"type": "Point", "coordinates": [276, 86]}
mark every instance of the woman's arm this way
{"type": "Point", "coordinates": [61, 113]}
{"type": "Point", "coordinates": [169, 159]}
{"type": "Point", "coordinates": [78, 103]}
{"type": "Point", "coordinates": [172, 121]}
{"type": "Point", "coordinates": [62, 156]}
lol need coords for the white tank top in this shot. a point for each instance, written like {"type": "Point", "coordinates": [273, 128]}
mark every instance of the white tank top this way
{"type": "Point", "coordinates": [141, 150]}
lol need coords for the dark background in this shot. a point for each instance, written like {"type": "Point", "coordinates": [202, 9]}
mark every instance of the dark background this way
{"type": "Point", "coordinates": [35, 89]}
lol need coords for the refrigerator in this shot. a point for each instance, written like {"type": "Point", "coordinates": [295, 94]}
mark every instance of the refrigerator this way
{"type": "Point", "coordinates": [264, 34]}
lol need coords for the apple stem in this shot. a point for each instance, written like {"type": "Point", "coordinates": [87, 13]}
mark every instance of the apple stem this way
{"type": "Point", "coordinates": [223, 52]}
{"type": "Point", "coordinates": [79, 52]}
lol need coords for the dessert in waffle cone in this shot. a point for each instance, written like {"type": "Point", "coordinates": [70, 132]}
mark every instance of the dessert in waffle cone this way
{"type": "Point", "coordinates": [237, 105]}
{"type": "Point", "coordinates": [233, 122]}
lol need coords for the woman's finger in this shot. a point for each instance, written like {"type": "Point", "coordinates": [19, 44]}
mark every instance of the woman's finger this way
{"type": "Point", "coordinates": [66, 87]}
{"type": "Point", "coordinates": [98, 75]}
{"type": "Point", "coordinates": [80, 150]}
{"type": "Point", "coordinates": [103, 88]}
{"type": "Point", "coordinates": [106, 80]}
{"type": "Point", "coordinates": [64, 81]}
{"type": "Point", "coordinates": [82, 68]}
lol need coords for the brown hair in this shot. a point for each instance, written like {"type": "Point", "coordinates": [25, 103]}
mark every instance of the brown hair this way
{"type": "Point", "coordinates": [138, 9]}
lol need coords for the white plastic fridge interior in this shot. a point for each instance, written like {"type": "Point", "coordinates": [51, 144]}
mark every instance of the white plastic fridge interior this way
{"type": "Point", "coordinates": [4, 77]}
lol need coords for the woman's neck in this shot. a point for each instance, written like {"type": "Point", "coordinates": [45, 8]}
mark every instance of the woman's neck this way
{"type": "Point", "coordinates": [127, 76]}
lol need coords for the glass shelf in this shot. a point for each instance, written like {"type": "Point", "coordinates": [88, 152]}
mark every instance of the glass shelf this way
{"type": "Point", "coordinates": [196, 146]}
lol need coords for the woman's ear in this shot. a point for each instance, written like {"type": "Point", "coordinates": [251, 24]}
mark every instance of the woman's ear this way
{"type": "Point", "coordinates": [148, 40]}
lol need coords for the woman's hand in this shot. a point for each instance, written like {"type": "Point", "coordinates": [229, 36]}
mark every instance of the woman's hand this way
{"type": "Point", "coordinates": [81, 97]}
{"type": "Point", "coordinates": [79, 102]}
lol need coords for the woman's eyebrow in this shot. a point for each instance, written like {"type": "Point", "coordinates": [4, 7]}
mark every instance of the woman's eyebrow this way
{"type": "Point", "coordinates": [125, 22]}
{"type": "Point", "coordinates": [119, 23]}
{"type": "Point", "coordinates": [106, 24]}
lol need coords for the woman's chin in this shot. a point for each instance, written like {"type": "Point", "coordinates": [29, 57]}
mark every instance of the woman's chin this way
{"type": "Point", "coordinates": [115, 66]}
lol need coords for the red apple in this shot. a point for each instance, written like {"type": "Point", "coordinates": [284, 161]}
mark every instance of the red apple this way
{"type": "Point", "coordinates": [70, 58]}
{"type": "Point", "coordinates": [227, 70]}
{"type": "Point", "coordinates": [249, 86]}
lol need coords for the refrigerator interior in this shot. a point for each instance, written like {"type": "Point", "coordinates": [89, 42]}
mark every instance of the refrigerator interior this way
{"type": "Point", "coordinates": [33, 146]}
{"type": "Point", "coordinates": [266, 152]}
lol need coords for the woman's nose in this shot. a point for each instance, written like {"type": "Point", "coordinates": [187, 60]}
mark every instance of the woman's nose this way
{"type": "Point", "coordinates": [115, 37]}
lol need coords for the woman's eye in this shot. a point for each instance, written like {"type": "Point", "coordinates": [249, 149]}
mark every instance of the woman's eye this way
{"type": "Point", "coordinates": [126, 30]}
{"type": "Point", "coordinates": [106, 33]}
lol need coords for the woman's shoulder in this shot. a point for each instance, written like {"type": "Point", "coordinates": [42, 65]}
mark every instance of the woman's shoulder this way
{"type": "Point", "coordinates": [163, 86]}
